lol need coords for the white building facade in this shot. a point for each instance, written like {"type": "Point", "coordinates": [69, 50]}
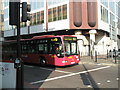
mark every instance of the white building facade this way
{"type": "Point", "coordinates": [97, 26]}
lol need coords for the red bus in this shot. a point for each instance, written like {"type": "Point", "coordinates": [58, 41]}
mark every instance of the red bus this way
{"type": "Point", "coordinates": [59, 50]}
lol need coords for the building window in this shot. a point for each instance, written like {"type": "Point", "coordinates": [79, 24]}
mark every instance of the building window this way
{"type": "Point", "coordinates": [6, 3]}
{"type": "Point", "coordinates": [64, 9]}
{"type": "Point", "coordinates": [38, 17]}
{"type": "Point", "coordinates": [54, 14]}
{"type": "Point", "coordinates": [112, 18]}
{"type": "Point", "coordinates": [36, 4]}
{"type": "Point", "coordinates": [33, 20]}
{"type": "Point", "coordinates": [104, 14]}
{"type": "Point", "coordinates": [42, 17]}
{"type": "Point", "coordinates": [112, 32]}
{"type": "Point", "coordinates": [112, 6]}
{"type": "Point", "coordinates": [104, 2]}
{"type": "Point", "coordinates": [50, 15]}
{"type": "Point", "coordinates": [31, 23]}
{"type": "Point", "coordinates": [59, 13]}
{"type": "Point", "coordinates": [118, 11]}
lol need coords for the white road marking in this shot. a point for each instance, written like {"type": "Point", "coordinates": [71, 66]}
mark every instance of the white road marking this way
{"type": "Point", "coordinates": [28, 66]}
{"type": "Point", "coordinates": [62, 71]}
{"type": "Point", "coordinates": [55, 70]}
{"type": "Point", "coordinates": [108, 81]}
{"type": "Point", "coordinates": [117, 79]}
{"type": "Point", "coordinates": [89, 86]}
{"type": "Point", "coordinates": [71, 74]}
{"type": "Point", "coordinates": [99, 64]}
{"type": "Point", "coordinates": [98, 83]}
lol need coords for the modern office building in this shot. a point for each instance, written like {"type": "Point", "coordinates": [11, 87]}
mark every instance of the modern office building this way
{"type": "Point", "coordinates": [1, 16]}
{"type": "Point", "coordinates": [94, 22]}
{"type": "Point", "coordinates": [118, 42]}
{"type": "Point", "coordinates": [1, 20]}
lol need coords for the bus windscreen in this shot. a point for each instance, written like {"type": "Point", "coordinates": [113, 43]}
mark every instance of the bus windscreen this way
{"type": "Point", "coordinates": [71, 46]}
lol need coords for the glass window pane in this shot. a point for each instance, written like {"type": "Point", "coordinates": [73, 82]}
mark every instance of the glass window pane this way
{"type": "Point", "coordinates": [64, 7]}
{"type": "Point", "coordinates": [112, 6]}
{"type": "Point", "coordinates": [54, 14]}
{"type": "Point", "coordinates": [112, 18]}
{"type": "Point", "coordinates": [38, 17]}
{"type": "Point", "coordinates": [40, 47]}
{"type": "Point", "coordinates": [67, 48]}
{"type": "Point", "coordinates": [59, 13]}
{"type": "Point", "coordinates": [104, 14]}
{"type": "Point", "coordinates": [73, 48]}
{"type": "Point", "coordinates": [42, 17]}
{"type": "Point", "coordinates": [105, 2]}
{"type": "Point", "coordinates": [50, 15]}
{"type": "Point", "coordinates": [45, 48]}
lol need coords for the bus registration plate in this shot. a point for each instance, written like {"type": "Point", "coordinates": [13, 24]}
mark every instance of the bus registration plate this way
{"type": "Point", "coordinates": [72, 62]}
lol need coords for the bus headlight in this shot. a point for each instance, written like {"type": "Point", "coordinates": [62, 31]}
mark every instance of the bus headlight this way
{"type": "Point", "coordinates": [76, 56]}
{"type": "Point", "coordinates": [78, 59]}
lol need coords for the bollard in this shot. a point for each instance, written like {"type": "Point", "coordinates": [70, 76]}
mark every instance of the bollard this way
{"type": "Point", "coordinates": [19, 66]}
{"type": "Point", "coordinates": [115, 57]}
{"type": "Point", "coordinates": [107, 54]}
{"type": "Point", "coordinates": [91, 55]}
{"type": "Point", "coordinates": [95, 56]}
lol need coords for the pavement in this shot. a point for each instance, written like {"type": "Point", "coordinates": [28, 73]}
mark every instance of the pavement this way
{"type": "Point", "coordinates": [101, 60]}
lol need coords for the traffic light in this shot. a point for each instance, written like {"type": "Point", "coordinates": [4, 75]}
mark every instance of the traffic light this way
{"type": "Point", "coordinates": [25, 9]}
{"type": "Point", "coordinates": [13, 12]}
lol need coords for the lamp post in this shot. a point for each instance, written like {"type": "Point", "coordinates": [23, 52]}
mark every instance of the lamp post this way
{"type": "Point", "coordinates": [116, 31]}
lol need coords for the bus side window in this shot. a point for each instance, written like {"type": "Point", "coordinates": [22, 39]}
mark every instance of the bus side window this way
{"type": "Point", "coordinates": [45, 48]}
{"type": "Point", "coordinates": [52, 49]}
{"type": "Point", "coordinates": [40, 48]}
{"type": "Point", "coordinates": [24, 47]}
{"type": "Point", "coordinates": [31, 47]}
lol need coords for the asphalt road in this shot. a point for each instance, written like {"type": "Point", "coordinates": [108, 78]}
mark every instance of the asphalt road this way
{"type": "Point", "coordinates": [71, 77]}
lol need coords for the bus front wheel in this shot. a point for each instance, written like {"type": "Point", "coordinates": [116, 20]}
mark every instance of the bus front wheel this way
{"type": "Point", "coordinates": [42, 61]}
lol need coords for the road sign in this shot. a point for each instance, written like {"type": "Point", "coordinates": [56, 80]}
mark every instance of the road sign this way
{"type": "Point", "coordinates": [7, 75]}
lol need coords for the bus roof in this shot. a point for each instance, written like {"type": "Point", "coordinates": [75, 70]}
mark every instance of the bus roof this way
{"type": "Point", "coordinates": [48, 36]}
{"type": "Point", "coordinates": [40, 37]}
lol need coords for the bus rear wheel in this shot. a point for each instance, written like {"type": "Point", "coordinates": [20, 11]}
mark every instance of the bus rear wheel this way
{"type": "Point", "coordinates": [42, 61]}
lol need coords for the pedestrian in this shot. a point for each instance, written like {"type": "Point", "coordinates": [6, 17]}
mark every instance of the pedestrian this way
{"type": "Point", "coordinates": [57, 50]}
{"type": "Point", "coordinates": [114, 51]}
{"type": "Point", "coordinates": [110, 53]}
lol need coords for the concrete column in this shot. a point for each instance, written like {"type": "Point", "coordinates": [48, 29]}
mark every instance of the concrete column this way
{"type": "Point", "coordinates": [46, 15]}
{"type": "Point", "coordinates": [80, 43]}
{"type": "Point", "coordinates": [92, 41]}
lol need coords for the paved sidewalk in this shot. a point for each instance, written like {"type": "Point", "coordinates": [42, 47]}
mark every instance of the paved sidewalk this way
{"type": "Point", "coordinates": [102, 60]}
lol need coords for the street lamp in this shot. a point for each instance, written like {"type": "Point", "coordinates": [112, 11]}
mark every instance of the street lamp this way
{"type": "Point", "coordinates": [116, 32]}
